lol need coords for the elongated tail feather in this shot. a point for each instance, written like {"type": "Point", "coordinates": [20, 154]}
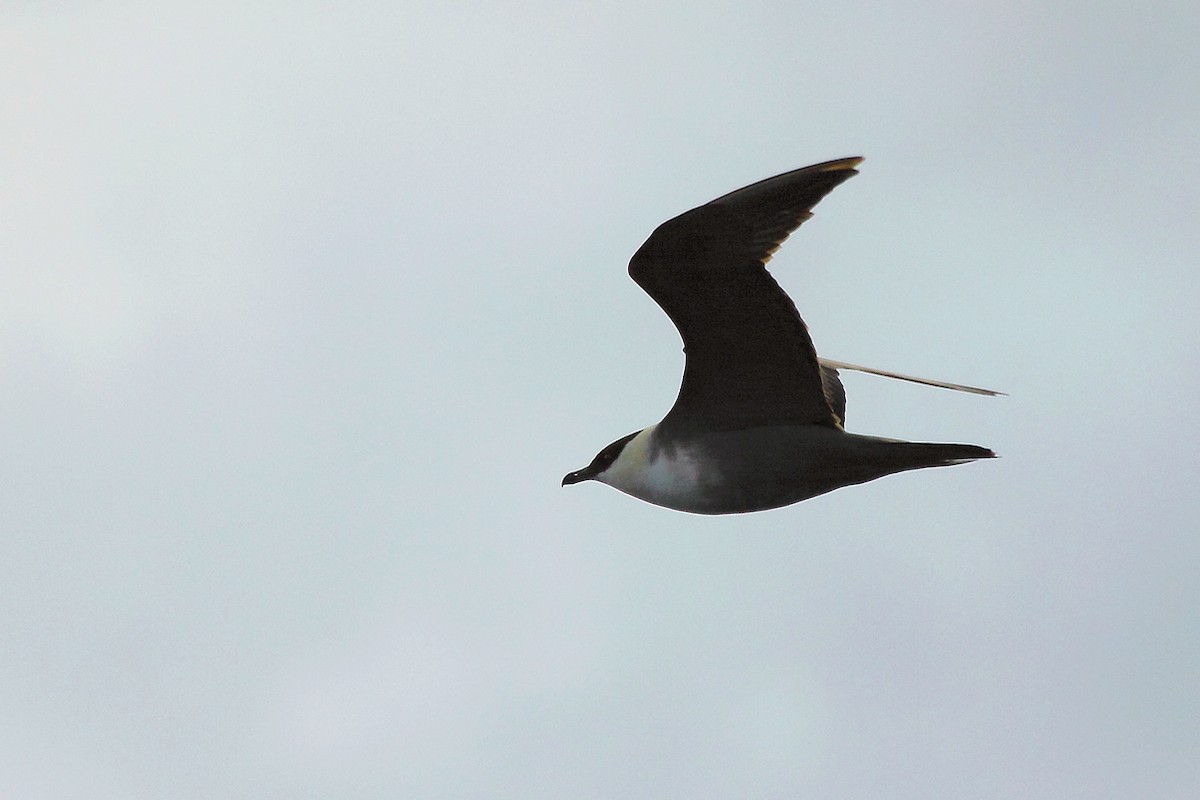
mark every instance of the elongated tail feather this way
{"type": "Point", "coordinates": [957, 387]}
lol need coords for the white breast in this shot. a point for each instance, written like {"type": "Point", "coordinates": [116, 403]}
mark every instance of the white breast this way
{"type": "Point", "coordinates": [673, 478]}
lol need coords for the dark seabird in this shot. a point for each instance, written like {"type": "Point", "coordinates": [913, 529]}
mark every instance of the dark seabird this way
{"type": "Point", "coordinates": [758, 420]}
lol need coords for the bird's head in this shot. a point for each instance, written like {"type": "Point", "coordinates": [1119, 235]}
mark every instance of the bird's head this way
{"type": "Point", "coordinates": [603, 460]}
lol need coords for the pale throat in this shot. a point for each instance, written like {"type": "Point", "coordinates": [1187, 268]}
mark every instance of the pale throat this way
{"type": "Point", "coordinates": [655, 474]}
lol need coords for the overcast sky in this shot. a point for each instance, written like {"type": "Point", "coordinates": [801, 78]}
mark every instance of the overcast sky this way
{"type": "Point", "coordinates": [305, 310]}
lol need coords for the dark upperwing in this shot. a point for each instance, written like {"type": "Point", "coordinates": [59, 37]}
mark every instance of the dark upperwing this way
{"type": "Point", "coordinates": [750, 361]}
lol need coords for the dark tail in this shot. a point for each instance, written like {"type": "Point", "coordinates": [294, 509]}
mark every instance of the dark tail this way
{"type": "Point", "coordinates": [916, 455]}
{"type": "Point", "coordinates": [855, 458]}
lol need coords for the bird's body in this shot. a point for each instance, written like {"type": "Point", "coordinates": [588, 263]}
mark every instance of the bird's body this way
{"type": "Point", "coordinates": [730, 472]}
{"type": "Point", "coordinates": [758, 420]}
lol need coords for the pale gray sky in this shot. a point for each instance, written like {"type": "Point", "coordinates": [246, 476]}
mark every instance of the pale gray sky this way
{"type": "Point", "coordinates": [305, 311]}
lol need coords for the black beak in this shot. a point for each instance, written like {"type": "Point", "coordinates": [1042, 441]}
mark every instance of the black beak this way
{"type": "Point", "coordinates": [575, 477]}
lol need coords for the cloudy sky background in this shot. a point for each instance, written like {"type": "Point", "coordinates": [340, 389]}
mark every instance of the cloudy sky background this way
{"type": "Point", "coordinates": [306, 309]}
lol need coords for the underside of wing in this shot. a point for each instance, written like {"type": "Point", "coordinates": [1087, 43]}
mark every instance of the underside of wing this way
{"type": "Point", "coordinates": [835, 393]}
{"type": "Point", "coordinates": [750, 361]}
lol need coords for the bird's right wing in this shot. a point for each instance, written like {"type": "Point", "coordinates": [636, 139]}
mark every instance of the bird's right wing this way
{"type": "Point", "coordinates": [750, 361]}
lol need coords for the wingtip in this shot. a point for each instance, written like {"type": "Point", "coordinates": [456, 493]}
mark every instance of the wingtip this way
{"type": "Point", "coordinates": [842, 164]}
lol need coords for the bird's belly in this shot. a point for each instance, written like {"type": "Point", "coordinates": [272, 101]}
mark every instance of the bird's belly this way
{"type": "Point", "coordinates": [740, 471]}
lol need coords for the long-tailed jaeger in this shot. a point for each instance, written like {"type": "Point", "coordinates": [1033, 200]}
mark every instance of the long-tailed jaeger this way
{"type": "Point", "coordinates": [758, 420]}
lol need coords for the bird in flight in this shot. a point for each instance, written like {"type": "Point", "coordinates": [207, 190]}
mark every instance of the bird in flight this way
{"type": "Point", "coordinates": [758, 420]}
